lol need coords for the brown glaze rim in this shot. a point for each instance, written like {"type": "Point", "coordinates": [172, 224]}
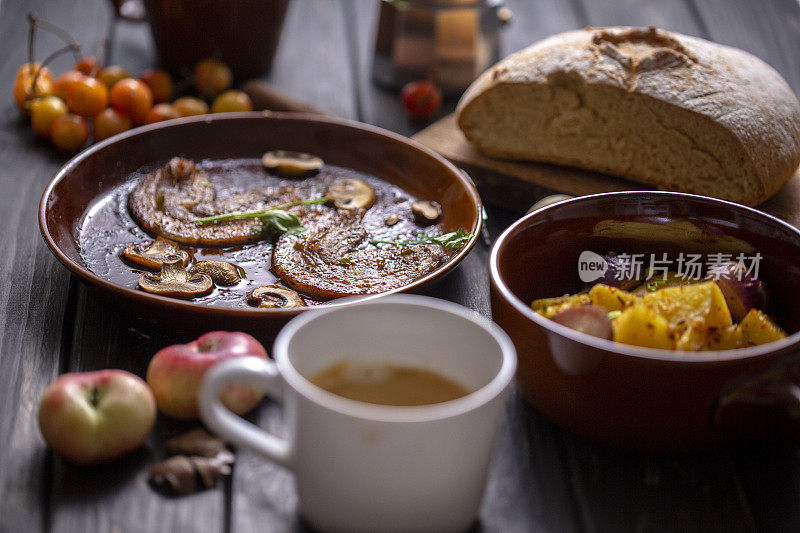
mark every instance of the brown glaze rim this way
{"type": "Point", "coordinates": [144, 298]}
{"type": "Point", "coordinates": [673, 356]}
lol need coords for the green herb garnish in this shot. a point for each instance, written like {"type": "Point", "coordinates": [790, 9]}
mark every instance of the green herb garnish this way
{"type": "Point", "coordinates": [452, 242]}
{"type": "Point", "coordinates": [276, 218]}
{"type": "Point", "coordinates": [654, 284]}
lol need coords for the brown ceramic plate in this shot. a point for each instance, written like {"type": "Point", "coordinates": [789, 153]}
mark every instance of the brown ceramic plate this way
{"type": "Point", "coordinates": [638, 397]}
{"type": "Point", "coordinates": [388, 156]}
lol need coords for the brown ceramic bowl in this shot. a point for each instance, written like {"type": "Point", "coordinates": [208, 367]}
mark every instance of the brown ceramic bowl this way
{"type": "Point", "coordinates": [368, 149]}
{"type": "Point", "coordinates": [637, 397]}
{"type": "Point", "coordinates": [242, 33]}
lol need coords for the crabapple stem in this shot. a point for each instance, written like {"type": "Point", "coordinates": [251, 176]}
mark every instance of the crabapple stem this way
{"type": "Point", "coordinates": [48, 59]}
{"type": "Point", "coordinates": [32, 17]}
{"type": "Point", "coordinates": [59, 32]}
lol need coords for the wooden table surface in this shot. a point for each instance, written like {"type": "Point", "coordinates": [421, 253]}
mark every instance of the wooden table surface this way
{"type": "Point", "coordinates": [542, 478]}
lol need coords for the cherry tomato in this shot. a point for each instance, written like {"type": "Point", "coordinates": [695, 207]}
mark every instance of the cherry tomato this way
{"type": "Point", "coordinates": [422, 99]}
{"type": "Point", "coordinates": [108, 123]}
{"type": "Point", "coordinates": [23, 86]}
{"type": "Point", "coordinates": [111, 74]}
{"type": "Point", "coordinates": [62, 83]}
{"type": "Point", "coordinates": [188, 106]}
{"type": "Point", "coordinates": [44, 111]}
{"type": "Point", "coordinates": [160, 83]}
{"type": "Point", "coordinates": [212, 76]}
{"type": "Point", "coordinates": [69, 132]}
{"type": "Point", "coordinates": [87, 65]}
{"type": "Point", "coordinates": [132, 98]}
{"type": "Point", "coordinates": [231, 101]}
{"type": "Point", "coordinates": [87, 96]}
{"type": "Point", "coordinates": [161, 112]}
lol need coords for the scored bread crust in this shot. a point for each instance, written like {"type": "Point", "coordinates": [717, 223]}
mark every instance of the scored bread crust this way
{"type": "Point", "coordinates": [717, 90]}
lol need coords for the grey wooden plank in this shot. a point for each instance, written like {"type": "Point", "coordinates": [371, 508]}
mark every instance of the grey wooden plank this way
{"type": "Point", "coordinates": [533, 20]}
{"type": "Point", "coordinates": [112, 497]}
{"type": "Point", "coordinates": [674, 15]}
{"type": "Point", "coordinates": [377, 105]}
{"type": "Point", "coordinates": [529, 486]}
{"type": "Point", "coordinates": [264, 494]}
{"type": "Point", "coordinates": [116, 496]}
{"type": "Point", "coordinates": [768, 29]}
{"type": "Point", "coordinates": [769, 473]}
{"type": "Point", "coordinates": [32, 302]}
{"type": "Point", "coordinates": [33, 293]}
{"type": "Point", "coordinates": [537, 19]}
{"type": "Point", "coordinates": [617, 490]}
{"type": "Point", "coordinates": [85, 501]}
{"type": "Point", "coordinates": [536, 466]}
{"type": "Point", "coordinates": [630, 491]}
{"type": "Point", "coordinates": [313, 63]}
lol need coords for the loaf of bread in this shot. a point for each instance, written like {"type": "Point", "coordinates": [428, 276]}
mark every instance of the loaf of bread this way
{"type": "Point", "coordinates": [664, 109]}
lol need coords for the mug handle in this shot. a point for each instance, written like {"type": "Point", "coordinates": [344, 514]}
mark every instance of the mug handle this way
{"type": "Point", "coordinates": [255, 371]}
{"type": "Point", "coordinates": [762, 405]}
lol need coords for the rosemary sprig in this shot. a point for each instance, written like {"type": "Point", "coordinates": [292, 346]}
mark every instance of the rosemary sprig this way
{"type": "Point", "coordinates": [276, 218]}
{"type": "Point", "coordinates": [261, 213]}
{"type": "Point", "coordinates": [452, 242]}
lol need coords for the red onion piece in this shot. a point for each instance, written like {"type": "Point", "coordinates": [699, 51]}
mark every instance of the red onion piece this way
{"type": "Point", "coordinates": [589, 319]}
{"type": "Point", "coordinates": [741, 290]}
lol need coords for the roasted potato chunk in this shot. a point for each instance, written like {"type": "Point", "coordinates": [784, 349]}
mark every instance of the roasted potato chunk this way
{"type": "Point", "coordinates": [550, 306]}
{"type": "Point", "coordinates": [686, 305]}
{"type": "Point", "coordinates": [641, 326]}
{"type": "Point", "coordinates": [699, 338]}
{"type": "Point", "coordinates": [757, 328]}
{"type": "Point", "coordinates": [611, 298]}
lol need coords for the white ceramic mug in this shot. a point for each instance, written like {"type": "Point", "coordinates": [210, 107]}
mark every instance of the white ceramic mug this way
{"type": "Point", "coordinates": [367, 467]}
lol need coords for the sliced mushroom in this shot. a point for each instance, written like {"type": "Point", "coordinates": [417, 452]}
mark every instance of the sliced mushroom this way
{"type": "Point", "coordinates": [291, 163]}
{"type": "Point", "coordinates": [392, 219]}
{"type": "Point", "coordinates": [351, 193]}
{"type": "Point", "coordinates": [152, 255]}
{"type": "Point", "coordinates": [271, 296]}
{"type": "Point", "coordinates": [220, 272]}
{"type": "Point", "coordinates": [426, 211]}
{"type": "Point", "coordinates": [173, 280]}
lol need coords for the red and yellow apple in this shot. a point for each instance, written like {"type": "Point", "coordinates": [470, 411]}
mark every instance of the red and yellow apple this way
{"type": "Point", "coordinates": [91, 417]}
{"type": "Point", "coordinates": [175, 373]}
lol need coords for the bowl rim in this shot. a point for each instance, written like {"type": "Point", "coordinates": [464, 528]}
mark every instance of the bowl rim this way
{"type": "Point", "coordinates": [616, 348]}
{"type": "Point", "coordinates": [144, 298]}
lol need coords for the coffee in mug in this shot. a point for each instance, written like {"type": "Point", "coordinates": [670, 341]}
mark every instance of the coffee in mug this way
{"type": "Point", "coordinates": [385, 383]}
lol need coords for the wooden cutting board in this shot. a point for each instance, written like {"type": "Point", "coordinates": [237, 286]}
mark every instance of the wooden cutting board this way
{"type": "Point", "coordinates": [517, 186]}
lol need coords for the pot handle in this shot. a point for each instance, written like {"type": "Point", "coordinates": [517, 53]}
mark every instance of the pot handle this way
{"type": "Point", "coordinates": [762, 405]}
{"type": "Point", "coordinates": [255, 371]}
